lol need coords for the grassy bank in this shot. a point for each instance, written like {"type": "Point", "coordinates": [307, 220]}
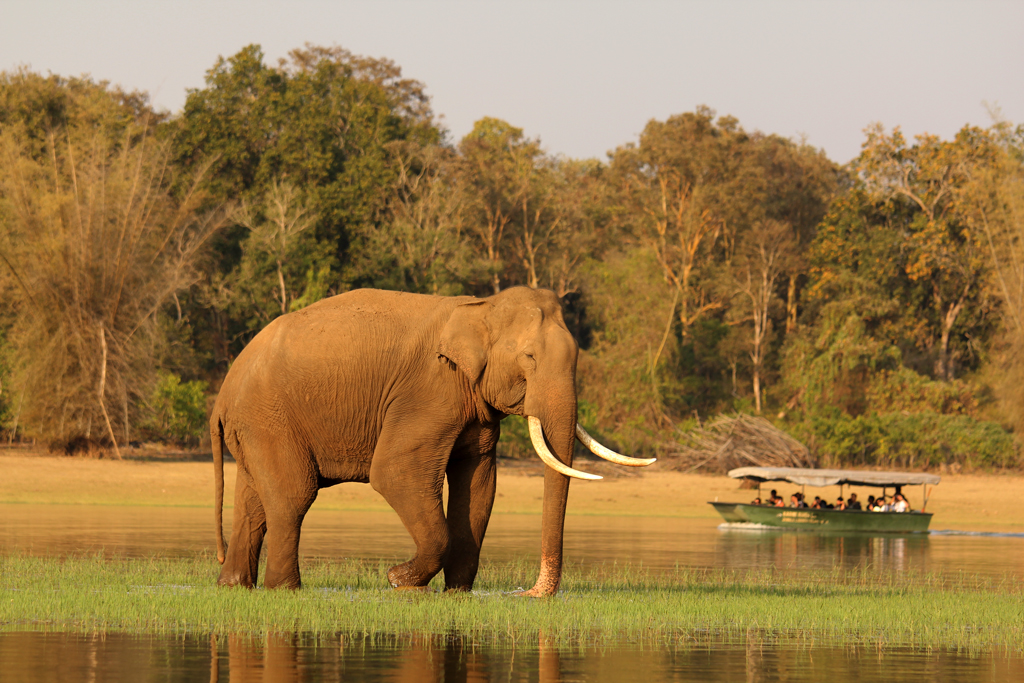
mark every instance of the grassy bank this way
{"type": "Point", "coordinates": [963, 501]}
{"type": "Point", "coordinates": [596, 604]}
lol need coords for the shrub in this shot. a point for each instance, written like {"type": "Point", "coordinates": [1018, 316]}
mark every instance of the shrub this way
{"type": "Point", "coordinates": [908, 441]}
{"type": "Point", "coordinates": [179, 409]}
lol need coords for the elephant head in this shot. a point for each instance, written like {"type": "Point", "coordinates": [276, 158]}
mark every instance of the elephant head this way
{"type": "Point", "coordinates": [520, 359]}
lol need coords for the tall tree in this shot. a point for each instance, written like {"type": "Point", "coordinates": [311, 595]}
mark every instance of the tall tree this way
{"type": "Point", "coordinates": [322, 121]}
{"type": "Point", "coordinates": [422, 243]}
{"type": "Point", "coordinates": [763, 256]}
{"type": "Point", "coordinates": [94, 245]}
{"type": "Point", "coordinates": [499, 165]}
{"type": "Point", "coordinates": [926, 184]}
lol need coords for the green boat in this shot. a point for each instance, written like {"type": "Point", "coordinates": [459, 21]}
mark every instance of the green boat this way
{"type": "Point", "coordinates": [748, 515]}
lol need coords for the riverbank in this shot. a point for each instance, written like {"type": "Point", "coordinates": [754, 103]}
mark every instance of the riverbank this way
{"type": "Point", "coordinates": [972, 502]}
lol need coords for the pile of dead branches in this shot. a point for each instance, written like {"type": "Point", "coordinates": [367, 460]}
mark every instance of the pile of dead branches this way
{"type": "Point", "coordinates": [734, 441]}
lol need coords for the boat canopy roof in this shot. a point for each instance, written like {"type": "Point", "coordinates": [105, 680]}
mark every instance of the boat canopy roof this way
{"type": "Point", "coordinates": [815, 477]}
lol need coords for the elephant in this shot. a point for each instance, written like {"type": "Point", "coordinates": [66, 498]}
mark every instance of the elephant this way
{"type": "Point", "coordinates": [400, 391]}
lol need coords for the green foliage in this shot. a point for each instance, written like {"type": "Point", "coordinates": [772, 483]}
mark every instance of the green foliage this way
{"type": "Point", "coordinates": [625, 373]}
{"type": "Point", "coordinates": [515, 441]}
{"type": "Point", "coordinates": [908, 441]}
{"type": "Point", "coordinates": [317, 287]}
{"type": "Point", "coordinates": [421, 242]}
{"type": "Point", "coordinates": [903, 390]}
{"type": "Point", "coordinates": [829, 366]}
{"type": "Point", "coordinates": [317, 129]}
{"type": "Point", "coordinates": [178, 410]}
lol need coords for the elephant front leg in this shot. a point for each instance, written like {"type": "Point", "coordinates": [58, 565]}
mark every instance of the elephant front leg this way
{"type": "Point", "coordinates": [471, 486]}
{"type": "Point", "coordinates": [412, 482]}
{"type": "Point", "coordinates": [248, 528]}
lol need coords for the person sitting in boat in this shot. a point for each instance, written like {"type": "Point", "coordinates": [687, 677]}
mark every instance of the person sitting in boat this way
{"type": "Point", "coordinates": [853, 503]}
{"type": "Point", "coordinates": [880, 505]}
{"type": "Point", "coordinates": [840, 504]}
{"type": "Point", "coordinates": [775, 498]}
{"type": "Point", "coordinates": [756, 501]}
{"type": "Point", "coordinates": [899, 503]}
{"type": "Point", "coordinates": [818, 503]}
{"type": "Point", "coordinates": [871, 504]}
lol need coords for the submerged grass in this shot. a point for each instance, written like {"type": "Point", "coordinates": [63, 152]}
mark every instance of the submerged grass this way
{"type": "Point", "coordinates": [597, 604]}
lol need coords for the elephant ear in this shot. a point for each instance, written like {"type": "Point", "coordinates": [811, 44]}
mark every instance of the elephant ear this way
{"type": "Point", "coordinates": [466, 337]}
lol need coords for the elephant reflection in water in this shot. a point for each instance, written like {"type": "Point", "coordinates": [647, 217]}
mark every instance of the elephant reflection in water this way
{"type": "Point", "coordinates": [286, 658]}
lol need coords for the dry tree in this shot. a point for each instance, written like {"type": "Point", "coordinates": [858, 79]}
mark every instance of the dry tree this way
{"type": "Point", "coordinates": [94, 242]}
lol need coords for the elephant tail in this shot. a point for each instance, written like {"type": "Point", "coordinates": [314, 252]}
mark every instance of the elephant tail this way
{"type": "Point", "coordinates": [217, 441]}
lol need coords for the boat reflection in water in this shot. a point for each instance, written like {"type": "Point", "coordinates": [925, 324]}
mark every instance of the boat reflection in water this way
{"type": "Point", "coordinates": [826, 551]}
{"type": "Point", "coordinates": [285, 657]}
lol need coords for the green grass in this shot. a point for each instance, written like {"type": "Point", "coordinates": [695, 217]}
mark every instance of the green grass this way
{"type": "Point", "coordinates": [597, 604]}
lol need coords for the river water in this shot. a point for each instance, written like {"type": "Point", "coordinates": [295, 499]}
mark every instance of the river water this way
{"type": "Point", "coordinates": [280, 658]}
{"type": "Point", "coordinates": [655, 543]}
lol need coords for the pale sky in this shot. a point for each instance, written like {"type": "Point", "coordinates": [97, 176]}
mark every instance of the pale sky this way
{"type": "Point", "coordinates": [584, 77]}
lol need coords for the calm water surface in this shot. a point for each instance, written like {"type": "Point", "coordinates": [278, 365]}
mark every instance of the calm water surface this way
{"type": "Point", "coordinates": [451, 659]}
{"type": "Point", "coordinates": [657, 543]}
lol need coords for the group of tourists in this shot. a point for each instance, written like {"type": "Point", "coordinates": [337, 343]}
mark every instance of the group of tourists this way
{"type": "Point", "coordinates": [880, 504]}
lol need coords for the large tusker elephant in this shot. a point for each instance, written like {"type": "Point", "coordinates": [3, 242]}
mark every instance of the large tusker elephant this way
{"type": "Point", "coordinates": [398, 390]}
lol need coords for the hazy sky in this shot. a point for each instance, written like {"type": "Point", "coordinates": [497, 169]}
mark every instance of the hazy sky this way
{"type": "Point", "coordinates": [583, 76]}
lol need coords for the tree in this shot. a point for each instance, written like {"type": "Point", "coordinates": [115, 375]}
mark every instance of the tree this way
{"type": "Point", "coordinates": [498, 165]}
{"type": "Point", "coordinates": [674, 181]}
{"type": "Point", "coordinates": [321, 121]}
{"type": "Point", "coordinates": [94, 245]}
{"type": "Point", "coordinates": [927, 183]}
{"type": "Point", "coordinates": [421, 244]}
{"type": "Point", "coordinates": [762, 258]}
{"type": "Point", "coordinates": [279, 249]}
{"type": "Point", "coordinates": [794, 184]}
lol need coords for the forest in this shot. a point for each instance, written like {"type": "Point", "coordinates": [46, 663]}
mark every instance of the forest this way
{"type": "Point", "coordinates": [713, 276]}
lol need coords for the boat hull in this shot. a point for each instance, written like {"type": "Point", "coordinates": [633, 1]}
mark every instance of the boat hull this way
{"type": "Point", "coordinates": [824, 520]}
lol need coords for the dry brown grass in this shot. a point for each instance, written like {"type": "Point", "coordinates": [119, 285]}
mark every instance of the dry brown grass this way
{"type": "Point", "coordinates": [979, 502]}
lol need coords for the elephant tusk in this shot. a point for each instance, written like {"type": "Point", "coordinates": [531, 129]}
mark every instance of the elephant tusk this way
{"type": "Point", "coordinates": [537, 437]}
{"type": "Point", "coordinates": [607, 453]}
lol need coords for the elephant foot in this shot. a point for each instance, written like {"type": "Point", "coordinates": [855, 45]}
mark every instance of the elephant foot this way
{"type": "Point", "coordinates": [406, 576]}
{"type": "Point", "coordinates": [233, 579]}
{"type": "Point", "coordinates": [290, 584]}
{"type": "Point", "coordinates": [282, 578]}
{"type": "Point", "coordinates": [535, 592]}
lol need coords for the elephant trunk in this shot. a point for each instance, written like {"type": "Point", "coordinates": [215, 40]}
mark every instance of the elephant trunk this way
{"type": "Point", "coordinates": [558, 420]}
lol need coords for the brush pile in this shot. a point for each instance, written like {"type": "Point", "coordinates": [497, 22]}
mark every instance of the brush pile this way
{"type": "Point", "coordinates": [734, 441]}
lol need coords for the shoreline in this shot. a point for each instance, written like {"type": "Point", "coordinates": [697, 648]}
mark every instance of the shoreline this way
{"type": "Point", "coordinates": [971, 502]}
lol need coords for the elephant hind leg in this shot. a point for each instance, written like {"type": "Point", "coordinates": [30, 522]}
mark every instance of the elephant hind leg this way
{"type": "Point", "coordinates": [287, 488]}
{"type": "Point", "coordinates": [249, 525]}
{"type": "Point", "coordinates": [284, 523]}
